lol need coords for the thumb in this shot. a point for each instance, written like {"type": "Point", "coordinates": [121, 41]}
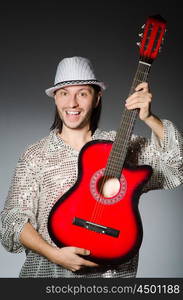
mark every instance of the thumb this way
{"type": "Point", "coordinates": [82, 251]}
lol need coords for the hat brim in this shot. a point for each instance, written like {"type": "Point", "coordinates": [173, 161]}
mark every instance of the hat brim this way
{"type": "Point", "coordinates": [51, 91]}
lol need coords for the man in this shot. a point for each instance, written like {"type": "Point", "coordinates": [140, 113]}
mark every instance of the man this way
{"type": "Point", "coordinates": [48, 168]}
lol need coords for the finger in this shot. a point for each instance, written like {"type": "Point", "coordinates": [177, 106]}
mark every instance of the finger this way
{"type": "Point", "coordinates": [76, 268]}
{"type": "Point", "coordinates": [139, 94]}
{"type": "Point", "coordinates": [136, 105]}
{"type": "Point", "coordinates": [89, 263]}
{"type": "Point", "coordinates": [136, 100]}
{"type": "Point", "coordinates": [139, 98]}
{"type": "Point", "coordinates": [132, 97]}
{"type": "Point", "coordinates": [144, 101]}
{"type": "Point", "coordinates": [81, 251]}
{"type": "Point", "coordinates": [142, 86]}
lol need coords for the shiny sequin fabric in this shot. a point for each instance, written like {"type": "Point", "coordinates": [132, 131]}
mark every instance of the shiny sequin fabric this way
{"type": "Point", "coordinates": [48, 168]}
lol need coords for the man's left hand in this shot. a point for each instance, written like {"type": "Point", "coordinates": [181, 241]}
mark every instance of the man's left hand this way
{"type": "Point", "coordinates": [140, 99]}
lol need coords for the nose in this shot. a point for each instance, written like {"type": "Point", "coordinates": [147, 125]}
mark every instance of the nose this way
{"type": "Point", "coordinates": [73, 101]}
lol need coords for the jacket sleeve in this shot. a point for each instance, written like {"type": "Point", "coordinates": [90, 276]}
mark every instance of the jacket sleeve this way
{"type": "Point", "coordinates": [164, 156]}
{"type": "Point", "coordinates": [20, 205]}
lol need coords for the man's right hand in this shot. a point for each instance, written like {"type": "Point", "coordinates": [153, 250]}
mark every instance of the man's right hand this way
{"type": "Point", "coordinates": [70, 258]}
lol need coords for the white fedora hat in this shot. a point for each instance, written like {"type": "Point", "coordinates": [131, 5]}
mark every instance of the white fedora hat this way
{"type": "Point", "coordinates": [74, 71]}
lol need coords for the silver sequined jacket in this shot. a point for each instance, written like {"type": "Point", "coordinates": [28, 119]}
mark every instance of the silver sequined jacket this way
{"type": "Point", "coordinates": [48, 168]}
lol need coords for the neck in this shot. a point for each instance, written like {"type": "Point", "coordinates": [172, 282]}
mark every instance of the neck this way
{"type": "Point", "coordinates": [120, 146]}
{"type": "Point", "coordinates": [76, 138]}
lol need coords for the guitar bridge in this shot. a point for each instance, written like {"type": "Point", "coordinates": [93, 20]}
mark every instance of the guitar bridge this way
{"type": "Point", "coordinates": [96, 227]}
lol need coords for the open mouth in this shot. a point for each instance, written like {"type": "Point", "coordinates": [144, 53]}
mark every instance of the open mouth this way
{"type": "Point", "coordinates": [73, 113]}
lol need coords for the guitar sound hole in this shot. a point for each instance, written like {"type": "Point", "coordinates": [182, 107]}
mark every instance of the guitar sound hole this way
{"type": "Point", "coordinates": [108, 186]}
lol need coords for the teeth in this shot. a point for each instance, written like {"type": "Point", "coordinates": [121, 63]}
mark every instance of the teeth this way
{"type": "Point", "coordinates": [73, 112]}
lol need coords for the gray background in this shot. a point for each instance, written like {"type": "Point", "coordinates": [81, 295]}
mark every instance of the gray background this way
{"type": "Point", "coordinates": [33, 39]}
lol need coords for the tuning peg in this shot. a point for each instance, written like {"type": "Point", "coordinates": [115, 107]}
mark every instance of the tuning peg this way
{"type": "Point", "coordinates": [140, 34]}
{"type": "Point", "coordinates": [143, 26]}
{"type": "Point", "coordinates": [138, 44]}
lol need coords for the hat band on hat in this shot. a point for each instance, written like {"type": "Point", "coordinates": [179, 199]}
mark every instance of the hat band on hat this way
{"type": "Point", "coordinates": [70, 82]}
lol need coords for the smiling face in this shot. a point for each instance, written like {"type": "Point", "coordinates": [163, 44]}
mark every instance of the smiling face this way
{"type": "Point", "coordinates": [75, 105]}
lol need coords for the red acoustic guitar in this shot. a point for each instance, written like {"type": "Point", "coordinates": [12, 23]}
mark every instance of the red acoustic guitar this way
{"type": "Point", "coordinates": [108, 223]}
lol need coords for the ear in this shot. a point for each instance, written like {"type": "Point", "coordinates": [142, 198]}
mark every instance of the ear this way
{"type": "Point", "coordinates": [99, 95]}
{"type": "Point", "coordinates": [55, 96]}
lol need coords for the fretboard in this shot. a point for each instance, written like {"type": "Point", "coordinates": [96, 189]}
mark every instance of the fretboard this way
{"type": "Point", "coordinates": [120, 146]}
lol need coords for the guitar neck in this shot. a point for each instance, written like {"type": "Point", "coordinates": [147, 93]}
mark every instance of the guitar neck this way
{"type": "Point", "coordinates": [120, 146]}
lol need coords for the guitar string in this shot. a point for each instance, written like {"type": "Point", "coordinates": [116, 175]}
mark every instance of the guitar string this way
{"type": "Point", "coordinates": [128, 132]}
{"type": "Point", "coordinates": [137, 77]}
{"type": "Point", "coordinates": [133, 117]}
{"type": "Point", "coordinates": [95, 212]}
{"type": "Point", "coordinates": [99, 206]}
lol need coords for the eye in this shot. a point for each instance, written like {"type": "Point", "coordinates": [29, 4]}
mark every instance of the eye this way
{"type": "Point", "coordinates": [63, 93]}
{"type": "Point", "coordinates": [83, 94]}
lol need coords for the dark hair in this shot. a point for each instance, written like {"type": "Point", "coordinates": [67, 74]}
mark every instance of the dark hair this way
{"type": "Point", "coordinates": [95, 116]}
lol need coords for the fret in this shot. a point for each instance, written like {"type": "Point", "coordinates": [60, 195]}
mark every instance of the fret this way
{"type": "Point", "coordinates": [138, 80]}
{"type": "Point", "coordinates": [144, 63]}
{"type": "Point", "coordinates": [142, 72]}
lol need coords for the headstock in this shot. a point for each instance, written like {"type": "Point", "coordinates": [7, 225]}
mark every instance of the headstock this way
{"type": "Point", "coordinates": [151, 38]}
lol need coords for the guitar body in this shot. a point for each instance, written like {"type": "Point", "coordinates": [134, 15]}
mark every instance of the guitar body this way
{"type": "Point", "coordinates": [111, 227]}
